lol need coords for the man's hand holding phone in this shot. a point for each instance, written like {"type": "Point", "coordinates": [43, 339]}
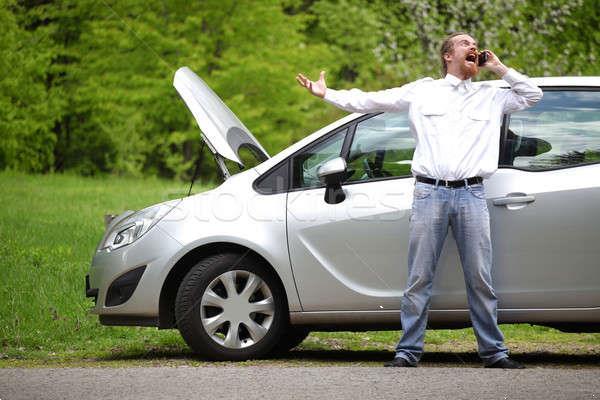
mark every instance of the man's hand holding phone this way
{"type": "Point", "coordinates": [488, 60]}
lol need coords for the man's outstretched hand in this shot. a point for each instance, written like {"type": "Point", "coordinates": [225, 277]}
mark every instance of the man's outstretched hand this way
{"type": "Point", "coordinates": [317, 88]}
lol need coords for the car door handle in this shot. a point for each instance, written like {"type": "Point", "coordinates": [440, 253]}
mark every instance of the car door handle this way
{"type": "Point", "coordinates": [524, 198]}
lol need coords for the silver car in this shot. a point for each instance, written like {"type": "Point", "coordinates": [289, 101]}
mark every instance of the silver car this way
{"type": "Point", "coordinates": [315, 237]}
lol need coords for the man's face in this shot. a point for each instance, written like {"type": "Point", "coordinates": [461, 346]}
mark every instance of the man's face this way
{"type": "Point", "coordinates": [463, 57]}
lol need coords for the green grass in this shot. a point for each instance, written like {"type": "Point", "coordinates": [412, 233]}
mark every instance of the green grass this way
{"type": "Point", "coordinates": [49, 228]}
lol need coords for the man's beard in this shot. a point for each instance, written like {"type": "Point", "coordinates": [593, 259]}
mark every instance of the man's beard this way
{"type": "Point", "coordinates": [469, 69]}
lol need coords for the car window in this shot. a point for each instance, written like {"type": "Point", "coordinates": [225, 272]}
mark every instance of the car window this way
{"type": "Point", "coordinates": [382, 147]}
{"type": "Point", "coordinates": [562, 130]}
{"type": "Point", "coordinates": [306, 163]}
{"type": "Point", "coordinates": [276, 180]}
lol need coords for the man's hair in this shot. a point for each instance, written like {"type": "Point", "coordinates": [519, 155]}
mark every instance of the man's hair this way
{"type": "Point", "coordinates": [447, 47]}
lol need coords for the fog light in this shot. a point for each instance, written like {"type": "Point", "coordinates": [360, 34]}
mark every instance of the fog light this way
{"type": "Point", "coordinates": [123, 287]}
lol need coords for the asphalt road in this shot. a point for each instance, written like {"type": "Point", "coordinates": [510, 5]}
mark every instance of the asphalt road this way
{"type": "Point", "coordinates": [276, 382]}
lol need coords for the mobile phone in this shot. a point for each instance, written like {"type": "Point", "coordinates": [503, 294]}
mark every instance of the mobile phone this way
{"type": "Point", "coordinates": [482, 58]}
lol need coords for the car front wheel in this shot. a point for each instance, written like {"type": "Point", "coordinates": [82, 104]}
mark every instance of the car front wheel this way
{"type": "Point", "coordinates": [230, 307]}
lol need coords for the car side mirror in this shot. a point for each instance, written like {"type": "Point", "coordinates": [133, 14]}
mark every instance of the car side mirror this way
{"type": "Point", "coordinates": [332, 174]}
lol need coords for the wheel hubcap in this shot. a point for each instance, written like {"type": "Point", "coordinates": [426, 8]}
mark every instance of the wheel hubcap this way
{"type": "Point", "coordinates": [237, 309]}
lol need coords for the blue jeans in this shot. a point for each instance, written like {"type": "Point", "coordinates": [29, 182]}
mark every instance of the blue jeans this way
{"type": "Point", "coordinates": [465, 211]}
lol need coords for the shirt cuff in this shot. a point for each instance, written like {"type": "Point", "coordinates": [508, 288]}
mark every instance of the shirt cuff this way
{"type": "Point", "coordinates": [511, 77]}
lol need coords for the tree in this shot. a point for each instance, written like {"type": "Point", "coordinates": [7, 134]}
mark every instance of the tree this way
{"type": "Point", "coordinates": [89, 87]}
{"type": "Point", "coordinates": [26, 137]}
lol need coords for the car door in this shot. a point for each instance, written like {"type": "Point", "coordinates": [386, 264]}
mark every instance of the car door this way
{"type": "Point", "coordinates": [544, 204]}
{"type": "Point", "coordinates": [353, 255]}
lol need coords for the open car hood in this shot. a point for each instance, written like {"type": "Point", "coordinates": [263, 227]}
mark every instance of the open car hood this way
{"type": "Point", "coordinates": [222, 131]}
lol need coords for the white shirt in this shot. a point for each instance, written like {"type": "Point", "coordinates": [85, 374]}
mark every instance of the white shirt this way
{"type": "Point", "coordinates": [455, 123]}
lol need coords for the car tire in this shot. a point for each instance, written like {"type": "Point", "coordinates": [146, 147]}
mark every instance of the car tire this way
{"type": "Point", "coordinates": [231, 307]}
{"type": "Point", "coordinates": [290, 338]}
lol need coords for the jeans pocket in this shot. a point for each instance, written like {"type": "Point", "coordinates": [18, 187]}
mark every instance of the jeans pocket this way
{"type": "Point", "coordinates": [422, 191]}
{"type": "Point", "coordinates": [477, 191]}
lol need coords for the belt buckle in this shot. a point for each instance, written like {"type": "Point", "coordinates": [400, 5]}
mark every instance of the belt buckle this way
{"type": "Point", "coordinates": [447, 184]}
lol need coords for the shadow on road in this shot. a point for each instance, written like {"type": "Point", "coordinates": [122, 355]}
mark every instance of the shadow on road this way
{"type": "Point", "coordinates": [444, 358]}
{"type": "Point", "coordinates": [350, 357]}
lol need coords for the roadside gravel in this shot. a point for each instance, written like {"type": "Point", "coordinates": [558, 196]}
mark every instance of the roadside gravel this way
{"type": "Point", "coordinates": [276, 382]}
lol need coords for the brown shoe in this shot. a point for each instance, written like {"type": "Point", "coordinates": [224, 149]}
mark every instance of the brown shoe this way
{"type": "Point", "coordinates": [506, 363]}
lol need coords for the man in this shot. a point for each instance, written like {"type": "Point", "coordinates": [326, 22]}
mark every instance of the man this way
{"type": "Point", "coordinates": [456, 125]}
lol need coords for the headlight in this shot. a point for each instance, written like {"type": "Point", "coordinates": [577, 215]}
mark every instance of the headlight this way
{"type": "Point", "coordinates": [134, 226]}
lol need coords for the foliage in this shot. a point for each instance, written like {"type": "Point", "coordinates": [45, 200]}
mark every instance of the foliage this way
{"type": "Point", "coordinates": [26, 137]}
{"type": "Point", "coordinates": [88, 84]}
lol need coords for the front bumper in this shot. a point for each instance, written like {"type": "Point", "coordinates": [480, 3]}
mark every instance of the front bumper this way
{"type": "Point", "coordinates": [139, 299]}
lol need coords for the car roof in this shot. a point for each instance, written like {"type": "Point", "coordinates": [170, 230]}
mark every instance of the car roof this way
{"type": "Point", "coordinates": [553, 81]}
{"type": "Point", "coordinates": [558, 81]}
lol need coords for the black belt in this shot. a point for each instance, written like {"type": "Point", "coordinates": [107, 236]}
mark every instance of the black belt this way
{"type": "Point", "coordinates": [454, 184]}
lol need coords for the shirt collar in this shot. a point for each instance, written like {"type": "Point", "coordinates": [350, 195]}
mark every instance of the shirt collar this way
{"type": "Point", "coordinates": [455, 81]}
